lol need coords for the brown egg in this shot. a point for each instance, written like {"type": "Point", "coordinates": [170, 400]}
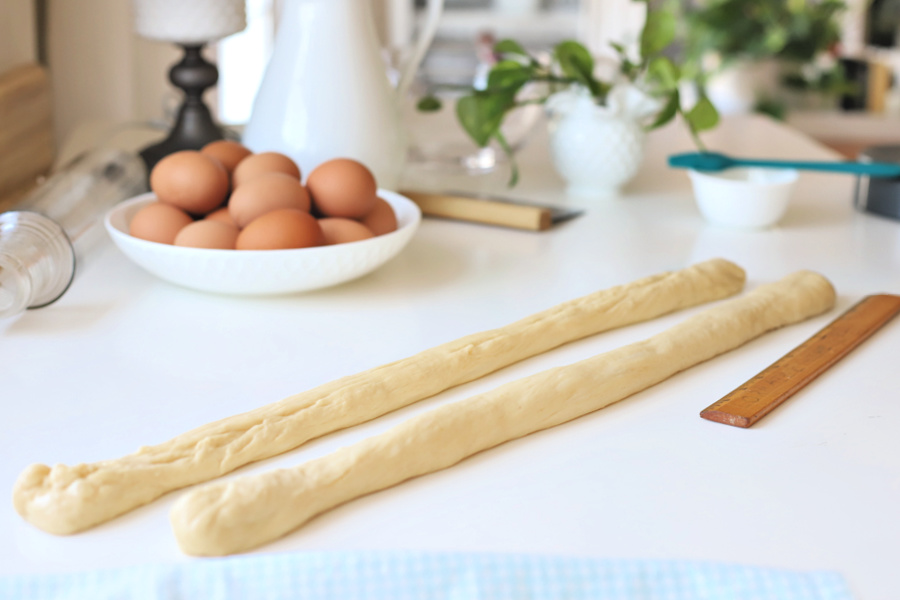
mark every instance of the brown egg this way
{"type": "Point", "coordinates": [158, 222]}
{"type": "Point", "coordinates": [208, 234]}
{"type": "Point", "coordinates": [340, 231]}
{"type": "Point", "coordinates": [268, 192]}
{"type": "Point", "coordinates": [342, 188]}
{"type": "Point", "coordinates": [381, 219]}
{"type": "Point", "coordinates": [264, 162]}
{"type": "Point", "coordinates": [281, 229]}
{"type": "Point", "coordinates": [222, 215]}
{"type": "Point", "coordinates": [194, 182]}
{"type": "Point", "coordinates": [228, 152]}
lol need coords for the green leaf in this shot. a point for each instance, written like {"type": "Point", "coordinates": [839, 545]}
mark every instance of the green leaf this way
{"type": "Point", "coordinates": [576, 62]}
{"type": "Point", "coordinates": [629, 69]}
{"type": "Point", "coordinates": [668, 111]}
{"type": "Point", "coordinates": [775, 40]}
{"type": "Point", "coordinates": [429, 104]}
{"type": "Point", "coordinates": [658, 32]}
{"type": "Point", "coordinates": [665, 72]}
{"type": "Point", "coordinates": [481, 114]}
{"type": "Point", "coordinates": [508, 75]}
{"type": "Point", "coordinates": [602, 89]}
{"type": "Point", "coordinates": [703, 115]}
{"type": "Point", "coordinates": [619, 48]}
{"type": "Point", "coordinates": [504, 47]}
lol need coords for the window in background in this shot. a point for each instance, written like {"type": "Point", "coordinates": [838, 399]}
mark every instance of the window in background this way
{"type": "Point", "coordinates": [537, 24]}
{"type": "Point", "coordinates": [883, 23]}
{"type": "Point", "coordinates": [467, 26]}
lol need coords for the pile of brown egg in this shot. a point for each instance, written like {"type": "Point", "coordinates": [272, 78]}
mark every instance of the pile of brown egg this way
{"type": "Point", "coordinates": [226, 197]}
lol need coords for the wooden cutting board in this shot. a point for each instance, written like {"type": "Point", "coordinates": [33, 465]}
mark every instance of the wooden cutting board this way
{"type": "Point", "coordinates": [26, 131]}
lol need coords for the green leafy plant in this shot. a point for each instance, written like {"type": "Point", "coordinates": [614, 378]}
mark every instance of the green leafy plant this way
{"type": "Point", "coordinates": [797, 34]}
{"type": "Point", "coordinates": [793, 30]}
{"type": "Point", "coordinates": [481, 112]}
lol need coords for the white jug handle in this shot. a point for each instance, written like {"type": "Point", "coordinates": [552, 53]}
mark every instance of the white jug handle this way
{"type": "Point", "coordinates": [432, 15]}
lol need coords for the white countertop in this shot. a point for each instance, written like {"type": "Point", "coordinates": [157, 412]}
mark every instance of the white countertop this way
{"type": "Point", "coordinates": [125, 360]}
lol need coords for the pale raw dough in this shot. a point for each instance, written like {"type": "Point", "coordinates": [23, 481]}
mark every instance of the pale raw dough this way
{"type": "Point", "coordinates": [65, 499]}
{"type": "Point", "coordinates": [241, 514]}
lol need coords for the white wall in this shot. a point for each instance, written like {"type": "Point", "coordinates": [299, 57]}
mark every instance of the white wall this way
{"type": "Point", "coordinates": [18, 39]}
{"type": "Point", "coordinates": [99, 68]}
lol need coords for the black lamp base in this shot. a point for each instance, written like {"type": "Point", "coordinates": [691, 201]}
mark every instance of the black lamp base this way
{"type": "Point", "coordinates": [194, 127]}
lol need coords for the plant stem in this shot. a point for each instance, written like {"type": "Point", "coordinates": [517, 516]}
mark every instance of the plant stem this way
{"type": "Point", "coordinates": [459, 87]}
{"type": "Point", "coordinates": [555, 79]}
{"type": "Point", "coordinates": [514, 167]}
{"type": "Point", "coordinates": [531, 101]}
{"type": "Point", "coordinates": [696, 136]}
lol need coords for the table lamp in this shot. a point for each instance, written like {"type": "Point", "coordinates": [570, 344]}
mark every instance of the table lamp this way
{"type": "Point", "coordinates": [190, 24]}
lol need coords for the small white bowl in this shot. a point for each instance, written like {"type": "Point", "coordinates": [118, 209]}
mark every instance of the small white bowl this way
{"type": "Point", "coordinates": [743, 198]}
{"type": "Point", "coordinates": [262, 272]}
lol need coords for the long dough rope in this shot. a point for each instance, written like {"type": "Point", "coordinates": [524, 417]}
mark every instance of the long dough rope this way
{"type": "Point", "coordinates": [241, 514]}
{"type": "Point", "coordinates": [66, 499]}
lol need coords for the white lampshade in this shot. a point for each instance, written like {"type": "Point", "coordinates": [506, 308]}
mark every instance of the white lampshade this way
{"type": "Point", "coordinates": [188, 21]}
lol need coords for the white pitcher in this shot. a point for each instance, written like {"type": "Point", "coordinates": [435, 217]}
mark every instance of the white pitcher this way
{"type": "Point", "coordinates": [326, 94]}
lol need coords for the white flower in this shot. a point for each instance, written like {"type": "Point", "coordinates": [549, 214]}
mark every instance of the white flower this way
{"type": "Point", "coordinates": [632, 101]}
{"type": "Point", "coordinates": [624, 100]}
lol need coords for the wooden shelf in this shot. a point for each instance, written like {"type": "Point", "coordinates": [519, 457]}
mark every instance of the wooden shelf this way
{"type": "Point", "coordinates": [847, 132]}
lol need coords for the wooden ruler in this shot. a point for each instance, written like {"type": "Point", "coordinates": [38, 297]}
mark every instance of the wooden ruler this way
{"type": "Point", "coordinates": [760, 395]}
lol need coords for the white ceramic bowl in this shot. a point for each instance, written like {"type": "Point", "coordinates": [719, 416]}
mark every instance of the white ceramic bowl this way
{"type": "Point", "coordinates": [742, 198]}
{"type": "Point", "coordinates": [262, 272]}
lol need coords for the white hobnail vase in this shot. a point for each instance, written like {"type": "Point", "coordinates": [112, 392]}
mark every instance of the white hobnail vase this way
{"type": "Point", "coordinates": [598, 148]}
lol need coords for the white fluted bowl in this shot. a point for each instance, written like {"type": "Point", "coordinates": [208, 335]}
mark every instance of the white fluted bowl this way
{"type": "Point", "coordinates": [262, 272]}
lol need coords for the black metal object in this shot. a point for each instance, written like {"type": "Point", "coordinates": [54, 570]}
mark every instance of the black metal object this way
{"type": "Point", "coordinates": [856, 72]}
{"type": "Point", "coordinates": [880, 196]}
{"type": "Point", "coordinates": [194, 126]}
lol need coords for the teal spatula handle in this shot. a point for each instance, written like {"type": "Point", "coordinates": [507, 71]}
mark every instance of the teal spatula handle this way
{"type": "Point", "coordinates": [855, 168]}
{"type": "Point", "coordinates": [713, 161]}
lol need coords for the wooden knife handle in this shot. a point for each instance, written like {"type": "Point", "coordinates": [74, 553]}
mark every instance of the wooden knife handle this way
{"type": "Point", "coordinates": [483, 210]}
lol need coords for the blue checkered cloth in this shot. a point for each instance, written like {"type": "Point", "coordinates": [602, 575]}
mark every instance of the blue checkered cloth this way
{"type": "Point", "coordinates": [426, 576]}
